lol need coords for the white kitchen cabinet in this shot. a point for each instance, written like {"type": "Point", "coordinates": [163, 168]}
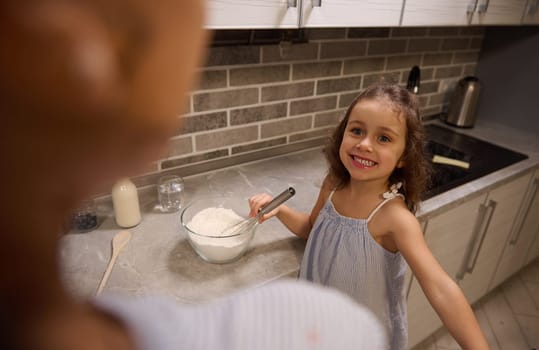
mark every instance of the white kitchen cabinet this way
{"type": "Point", "coordinates": [437, 12]}
{"type": "Point", "coordinates": [498, 12]}
{"type": "Point", "coordinates": [523, 232]}
{"type": "Point", "coordinates": [252, 14]}
{"type": "Point", "coordinates": [533, 251]}
{"type": "Point", "coordinates": [490, 235]}
{"type": "Point", "coordinates": [531, 13]}
{"type": "Point", "coordinates": [351, 13]}
{"type": "Point", "coordinates": [531, 223]}
{"type": "Point", "coordinates": [447, 235]}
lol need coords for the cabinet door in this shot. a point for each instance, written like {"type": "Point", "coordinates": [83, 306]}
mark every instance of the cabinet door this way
{"type": "Point", "coordinates": [351, 13]}
{"type": "Point", "coordinates": [437, 12]}
{"type": "Point", "coordinates": [490, 236]}
{"type": "Point", "coordinates": [447, 235]}
{"type": "Point", "coordinates": [533, 252]}
{"type": "Point", "coordinates": [522, 234]}
{"type": "Point", "coordinates": [498, 12]}
{"type": "Point", "coordinates": [531, 13]}
{"type": "Point", "coordinates": [252, 14]}
{"type": "Point", "coordinates": [532, 224]}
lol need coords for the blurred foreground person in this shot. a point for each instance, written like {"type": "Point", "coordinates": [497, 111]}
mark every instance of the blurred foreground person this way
{"type": "Point", "coordinates": [90, 91]}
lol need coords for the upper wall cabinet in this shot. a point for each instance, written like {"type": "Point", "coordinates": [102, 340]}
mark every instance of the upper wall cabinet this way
{"type": "Point", "coordinates": [351, 13]}
{"type": "Point", "coordinates": [252, 14]}
{"type": "Point", "coordinates": [464, 12]}
{"type": "Point", "coordinates": [498, 12]}
{"type": "Point", "coordinates": [531, 13]}
{"type": "Point", "coordinates": [437, 12]}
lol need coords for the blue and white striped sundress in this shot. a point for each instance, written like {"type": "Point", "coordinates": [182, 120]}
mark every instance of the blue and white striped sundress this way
{"type": "Point", "coordinates": [341, 253]}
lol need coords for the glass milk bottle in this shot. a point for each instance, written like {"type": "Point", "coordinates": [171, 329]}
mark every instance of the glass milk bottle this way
{"type": "Point", "coordinates": [125, 202]}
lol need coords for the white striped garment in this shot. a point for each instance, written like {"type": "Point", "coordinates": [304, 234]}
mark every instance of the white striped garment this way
{"type": "Point", "coordinates": [341, 253]}
{"type": "Point", "coordinates": [284, 315]}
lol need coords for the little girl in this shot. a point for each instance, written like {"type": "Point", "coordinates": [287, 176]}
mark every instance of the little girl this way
{"type": "Point", "coordinates": [362, 229]}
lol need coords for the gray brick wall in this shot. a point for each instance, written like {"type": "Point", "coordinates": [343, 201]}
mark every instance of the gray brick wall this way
{"type": "Point", "coordinates": [257, 101]}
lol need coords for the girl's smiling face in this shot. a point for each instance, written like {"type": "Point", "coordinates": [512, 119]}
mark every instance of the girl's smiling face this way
{"type": "Point", "coordinates": [373, 141]}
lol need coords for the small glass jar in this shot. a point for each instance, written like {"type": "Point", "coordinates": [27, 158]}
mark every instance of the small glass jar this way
{"type": "Point", "coordinates": [84, 218]}
{"type": "Point", "coordinates": [170, 192]}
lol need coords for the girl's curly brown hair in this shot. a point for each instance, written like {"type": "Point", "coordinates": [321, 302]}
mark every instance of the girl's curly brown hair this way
{"type": "Point", "coordinates": [416, 172]}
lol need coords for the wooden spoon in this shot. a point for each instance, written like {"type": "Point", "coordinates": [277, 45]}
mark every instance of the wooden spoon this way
{"type": "Point", "coordinates": [118, 242]}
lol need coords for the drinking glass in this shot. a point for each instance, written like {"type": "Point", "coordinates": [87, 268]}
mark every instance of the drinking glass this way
{"type": "Point", "coordinates": [170, 192]}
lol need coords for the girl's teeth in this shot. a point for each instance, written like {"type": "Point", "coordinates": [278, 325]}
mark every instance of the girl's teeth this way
{"type": "Point", "coordinates": [364, 161]}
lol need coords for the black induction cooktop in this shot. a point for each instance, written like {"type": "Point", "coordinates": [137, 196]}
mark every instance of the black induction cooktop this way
{"type": "Point", "coordinates": [483, 158]}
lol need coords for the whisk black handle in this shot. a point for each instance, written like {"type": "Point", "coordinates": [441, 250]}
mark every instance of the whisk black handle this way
{"type": "Point", "coordinates": [275, 202]}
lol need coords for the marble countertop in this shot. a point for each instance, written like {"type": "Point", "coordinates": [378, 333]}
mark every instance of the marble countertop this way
{"type": "Point", "coordinates": [159, 260]}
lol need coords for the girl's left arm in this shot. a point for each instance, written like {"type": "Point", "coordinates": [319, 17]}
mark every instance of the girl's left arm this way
{"type": "Point", "coordinates": [443, 293]}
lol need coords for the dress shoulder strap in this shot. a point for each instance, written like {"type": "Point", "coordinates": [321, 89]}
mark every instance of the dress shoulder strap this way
{"type": "Point", "coordinates": [389, 195]}
{"type": "Point", "coordinates": [331, 195]}
{"type": "Point", "coordinates": [375, 210]}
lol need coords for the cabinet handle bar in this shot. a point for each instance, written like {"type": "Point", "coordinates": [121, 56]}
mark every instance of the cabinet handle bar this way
{"type": "Point", "coordinates": [532, 7]}
{"type": "Point", "coordinates": [483, 7]}
{"type": "Point", "coordinates": [492, 206]}
{"type": "Point", "coordinates": [469, 250]}
{"type": "Point", "coordinates": [470, 9]}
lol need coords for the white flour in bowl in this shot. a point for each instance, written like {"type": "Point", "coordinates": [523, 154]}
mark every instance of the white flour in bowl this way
{"type": "Point", "coordinates": [212, 222]}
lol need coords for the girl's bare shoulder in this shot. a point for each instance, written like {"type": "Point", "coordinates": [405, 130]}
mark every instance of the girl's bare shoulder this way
{"type": "Point", "coordinates": [397, 217]}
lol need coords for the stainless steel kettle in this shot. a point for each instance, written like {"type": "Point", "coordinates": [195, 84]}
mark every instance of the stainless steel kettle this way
{"type": "Point", "coordinates": [463, 106]}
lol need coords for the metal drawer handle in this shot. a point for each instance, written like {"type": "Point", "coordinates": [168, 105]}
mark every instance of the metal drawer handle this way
{"type": "Point", "coordinates": [292, 3]}
{"type": "Point", "coordinates": [483, 7]}
{"type": "Point", "coordinates": [532, 7]}
{"type": "Point", "coordinates": [317, 3]}
{"type": "Point", "coordinates": [480, 222]}
{"type": "Point", "coordinates": [471, 7]}
{"type": "Point", "coordinates": [516, 237]}
{"type": "Point", "coordinates": [492, 206]}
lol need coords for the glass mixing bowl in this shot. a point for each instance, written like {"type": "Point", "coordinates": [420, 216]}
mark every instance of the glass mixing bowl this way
{"type": "Point", "coordinates": [204, 221]}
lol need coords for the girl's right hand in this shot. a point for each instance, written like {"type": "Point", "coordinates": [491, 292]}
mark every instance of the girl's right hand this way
{"type": "Point", "coordinates": [258, 201]}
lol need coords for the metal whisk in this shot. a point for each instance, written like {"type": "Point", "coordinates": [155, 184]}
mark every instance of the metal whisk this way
{"type": "Point", "coordinates": [248, 224]}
